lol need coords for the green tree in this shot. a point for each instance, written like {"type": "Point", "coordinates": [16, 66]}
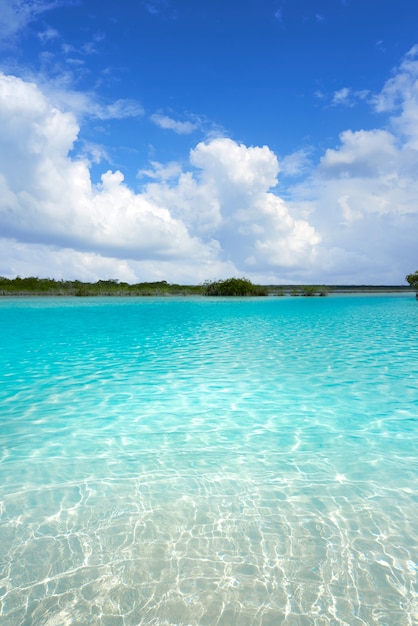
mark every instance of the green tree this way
{"type": "Point", "coordinates": [412, 279]}
{"type": "Point", "coordinates": [234, 287]}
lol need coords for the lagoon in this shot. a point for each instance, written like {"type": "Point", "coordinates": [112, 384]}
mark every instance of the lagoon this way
{"type": "Point", "coordinates": [196, 461]}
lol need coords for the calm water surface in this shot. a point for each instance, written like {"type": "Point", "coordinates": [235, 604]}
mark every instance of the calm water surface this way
{"type": "Point", "coordinates": [209, 462]}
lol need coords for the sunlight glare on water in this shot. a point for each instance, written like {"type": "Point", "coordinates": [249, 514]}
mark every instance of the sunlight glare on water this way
{"type": "Point", "coordinates": [248, 462]}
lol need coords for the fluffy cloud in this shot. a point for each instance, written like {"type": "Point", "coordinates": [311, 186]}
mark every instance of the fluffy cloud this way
{"type": "Point", "coordinates": [370, 175]}
{"type": "Point", "coordinates": [400, 98]}
{"type": "Point", "coordinates": [361, 154]}
{"type": "Point", "coordinates": [235, 167]}
{"type": "Point", "coordinates": [229, 199]}
{"type": "Point", "coordinates": [362, 196]}
{"type": "Point", "coordinates": [220, 215]}
{"type": "Point", "coordinates": [48, 197]}
{"type": "Point", "coordinates": [355, 215]}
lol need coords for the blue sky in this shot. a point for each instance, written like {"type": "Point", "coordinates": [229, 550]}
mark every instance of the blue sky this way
{"type": "Point", "coordinates": [185, 141]}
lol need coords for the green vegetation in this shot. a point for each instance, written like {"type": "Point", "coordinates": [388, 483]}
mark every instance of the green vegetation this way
{"type": "Point", "coordinates": [234, 287]}
{"type": "Point", "coordinates": [49, 287]}
{"type": "Point", "coordinates": [33, 286]}
{"type": "Point", "coordinates": [412, 279]}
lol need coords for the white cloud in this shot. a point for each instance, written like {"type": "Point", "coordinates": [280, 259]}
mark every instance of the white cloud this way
{"type": "Point", "coordinates": [361, 154]}
{"type": "Point", "coordinates": [347, 97]}
{"type": "Point", "coordinates": [218, 216]}
{"type": "Point", "coordinates": [354, 219]}
{"type": "Point", "coordinates": [399, 89]}
{"type": "Point", "coordinates": [48, 197]}
{"type": "Point", "coordinates": [232, 165]}
{"type": "Point", "coordinates": [362, 196]}
{"type": "Point", "coordinates": [229, 199]}
{"type": "Point", "coordinates": [28, 259]}
{"type": "Point", "coordinates": [94, 153]}
{"type": "Point", "coordinates": [32, 259]}
{"type": "Point", "coordinates": [17, 14]}
{"type": "Point", "coordinates": [166, 122]}
{"type": "Point", "coordinates": [297, 163]}
{"type": "Point", "coordinates": [158, 171]}
{"type": "Point", "coordinates": [400, 98]}
{"type": "Point", "coordinates": [118, 110]}
{"type": "Point", "coordinates": [341, 96]}
{"type": "Point", "coordinates": [87, 104]}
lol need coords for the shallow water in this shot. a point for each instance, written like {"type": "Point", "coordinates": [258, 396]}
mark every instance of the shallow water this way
{"type": "Point", "coordinates": [209, 462]}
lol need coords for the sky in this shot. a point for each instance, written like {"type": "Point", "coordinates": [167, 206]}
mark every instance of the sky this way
{"type": "Point", "coordinates": [194, 140]}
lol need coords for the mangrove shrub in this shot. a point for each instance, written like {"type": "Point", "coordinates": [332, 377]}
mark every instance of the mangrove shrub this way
{"type": "Point", "coordinates": [234, 287]}
{"type": "Point", "coordinates": [412, 279]}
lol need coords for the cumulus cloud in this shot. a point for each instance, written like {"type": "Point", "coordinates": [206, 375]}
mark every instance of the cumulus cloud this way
{"type": "Point", "coordinates": [31, 259]}
{"type": "Point", "coordinates": [362, 196]}
{"type": "Point", "coordinates": [235, 165]}
{"type": "Point", "coordinates": [219, 215]}
{"type": "Point", "coordinates": [355, 214]}
{"type": "Point", "coordinates": [28, 259]}
{"type": "Point", "coordinates": [361, 154]}
{"type": "Point", "coordinates": [229, 198]}
{"type": "Point", "coordinates": [48, 197]}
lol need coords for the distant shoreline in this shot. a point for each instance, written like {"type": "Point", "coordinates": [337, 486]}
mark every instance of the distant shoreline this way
{"type": "Point", "coordinates": [36, 287]}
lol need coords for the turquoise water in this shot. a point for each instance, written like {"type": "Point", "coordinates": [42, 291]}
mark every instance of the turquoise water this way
{"type": "Point", "coordinates": [203, 462]}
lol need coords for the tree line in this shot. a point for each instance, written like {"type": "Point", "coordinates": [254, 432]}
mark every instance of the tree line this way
{"type": "Point", "coordinates": [34, 286]}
